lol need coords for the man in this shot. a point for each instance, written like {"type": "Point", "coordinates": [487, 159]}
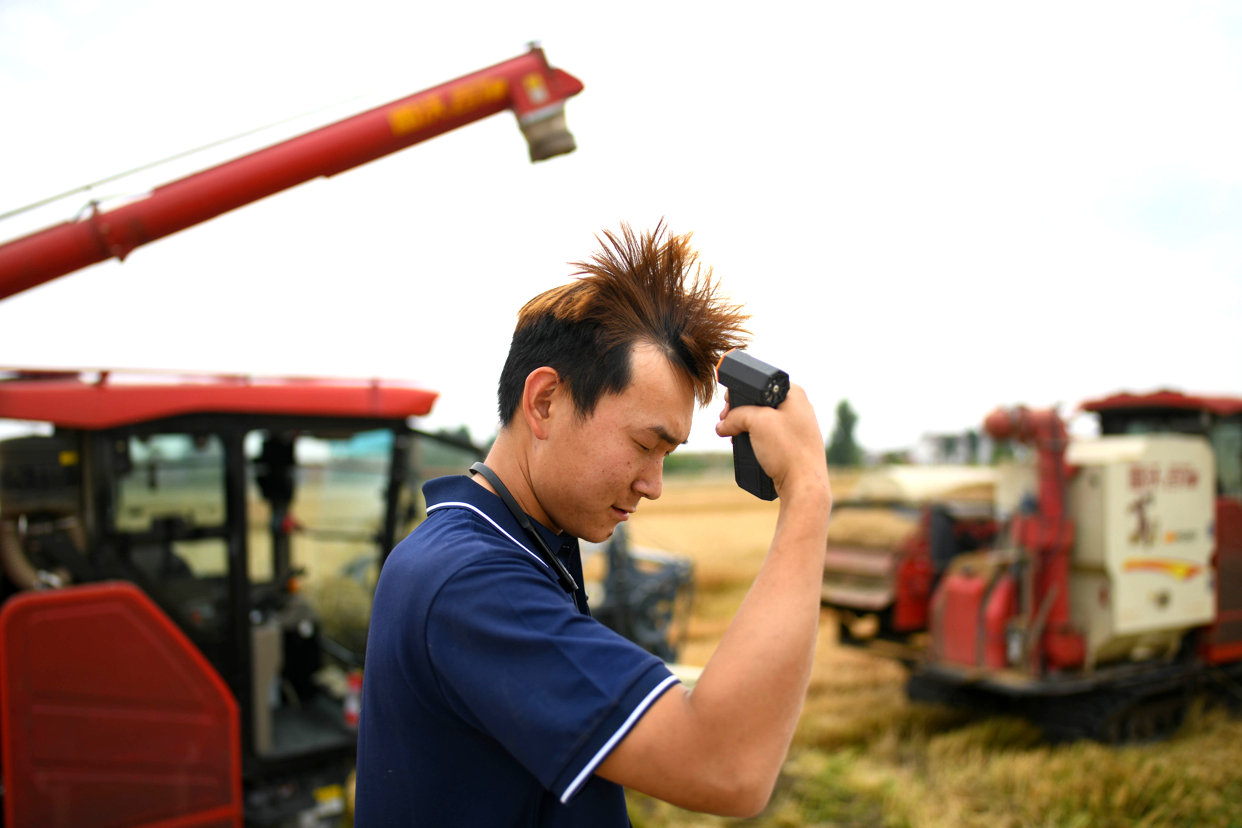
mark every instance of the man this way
{"type": "Point", "coordinates": [491, 698]}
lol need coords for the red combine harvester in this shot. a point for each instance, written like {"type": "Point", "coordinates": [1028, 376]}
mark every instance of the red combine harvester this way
{"type": "Point", "coordinates": [1114, 592]}
{"type": "Point", "coordinates": [161, 663]}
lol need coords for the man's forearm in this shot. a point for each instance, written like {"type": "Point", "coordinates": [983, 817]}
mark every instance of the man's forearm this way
{"type": "Point", "coordinates": [719, 747]}
{"type": "Point", "coordinates": [752, 689]}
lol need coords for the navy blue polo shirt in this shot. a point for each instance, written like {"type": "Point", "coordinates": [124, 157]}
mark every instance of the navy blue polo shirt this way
{"type": "Point", "coordinates": [489, 698]}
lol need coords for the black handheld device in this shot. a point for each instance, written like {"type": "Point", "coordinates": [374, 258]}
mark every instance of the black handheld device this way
{"type": "Point", "coordinates": [751, 382]}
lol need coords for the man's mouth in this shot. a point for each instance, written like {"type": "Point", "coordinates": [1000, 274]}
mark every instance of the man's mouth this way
{"type": "Point", "coordinates": [621, 514]}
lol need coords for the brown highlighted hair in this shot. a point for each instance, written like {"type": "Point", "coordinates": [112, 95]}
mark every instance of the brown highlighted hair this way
{"type": "Point", "coordinates": [636, 289]}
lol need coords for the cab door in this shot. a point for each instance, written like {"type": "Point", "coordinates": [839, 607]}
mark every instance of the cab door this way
{"type": "Point", "coordinates": [167, 523]}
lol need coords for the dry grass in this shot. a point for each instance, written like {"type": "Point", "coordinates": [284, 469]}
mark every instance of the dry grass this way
{"type": "Point", "coordinates": [996, 772]}
{"type": "Point", "coordinates": [863, 756]}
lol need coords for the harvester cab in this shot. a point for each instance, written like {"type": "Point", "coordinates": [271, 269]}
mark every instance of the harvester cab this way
{"type": "Point", "coordinates": [255, 516]}
{"type": "Point", "coordinates": [1218, 421]}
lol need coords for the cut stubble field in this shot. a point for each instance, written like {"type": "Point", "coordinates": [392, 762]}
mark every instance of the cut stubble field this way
{"type": "Point", "coordinates": [864, 756]}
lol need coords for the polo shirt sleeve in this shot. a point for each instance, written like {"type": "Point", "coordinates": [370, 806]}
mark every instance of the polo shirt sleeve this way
{"type": "Point", "coordinates": [514, 658]}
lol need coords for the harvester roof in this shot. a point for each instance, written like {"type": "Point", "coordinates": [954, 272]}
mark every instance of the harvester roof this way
{"type": "Point", "coordinates": [1221, 406]}
{"type": "Point", "coordinates": [105, 399]}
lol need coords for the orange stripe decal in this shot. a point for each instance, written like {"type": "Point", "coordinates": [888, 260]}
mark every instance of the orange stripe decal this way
{"type": "Point", "coordinates": [1181, 570]}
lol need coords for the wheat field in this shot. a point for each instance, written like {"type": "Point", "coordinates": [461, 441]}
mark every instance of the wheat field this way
{"type": "Point", "coordinates": [864, 756]}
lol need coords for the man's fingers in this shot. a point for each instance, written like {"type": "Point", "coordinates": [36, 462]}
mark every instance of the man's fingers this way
{"type": "Point", "coordinates": [786, 440]}
{"type": "Point", "coordinates": [733, 421]}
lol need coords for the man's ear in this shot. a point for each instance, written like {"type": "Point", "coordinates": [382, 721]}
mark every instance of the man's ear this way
{"type": "Point", "coordinates": [542, 386]}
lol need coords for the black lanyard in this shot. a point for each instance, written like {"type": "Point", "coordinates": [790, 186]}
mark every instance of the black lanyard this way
{"type": "Point", "coordinates": [562, 574]}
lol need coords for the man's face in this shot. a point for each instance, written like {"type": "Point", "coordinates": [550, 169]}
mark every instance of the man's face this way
{"type": "Point", "coordinates": [591, 474]}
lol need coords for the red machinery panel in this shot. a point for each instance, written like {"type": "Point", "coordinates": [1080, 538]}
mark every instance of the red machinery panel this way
{"type": "Point", "coordinates": [1000, 606]}
{"type": "Point", "coordinates": [111, 717]}
{"type": "Point", "coordinates": [914, 583]}
{"type": "Point", "coordinates": [956, 615]}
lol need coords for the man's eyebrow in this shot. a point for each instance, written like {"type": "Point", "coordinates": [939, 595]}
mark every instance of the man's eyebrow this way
{"type": "Point", "coordinates": [662, 433]}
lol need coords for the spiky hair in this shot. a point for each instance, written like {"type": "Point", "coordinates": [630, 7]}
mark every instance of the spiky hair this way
{"type": "Point", "coordinates": [636, 289]}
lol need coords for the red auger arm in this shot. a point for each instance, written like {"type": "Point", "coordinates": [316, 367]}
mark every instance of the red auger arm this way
{"type": "Point", "coordinates": [534, 91]}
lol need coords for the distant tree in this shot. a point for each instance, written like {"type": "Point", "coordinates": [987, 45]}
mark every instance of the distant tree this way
{"type": "Point", "coordinates": [462, 432]}
{"type": "Point", "coordinates": [972, 447]}
{"type": "Point", "coordinates": [442, 455]}
{"type": "Point", "coordinates": [842, 450]}
{"type": "Point", "coordinates": [1002, 451]}
{"type": "Point", "coordinates": [948, 448]}
{"type": "Point", "coordinates": [688, 462]}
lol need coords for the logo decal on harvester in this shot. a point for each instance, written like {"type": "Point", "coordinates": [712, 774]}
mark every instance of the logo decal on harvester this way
{"type": "Point", "coordinates": [1176, 476]}
{"type": "Point", "coordinates": [536, 89]}
{"type": "Point", "coordinates": [430, 108]}
{"type": "Point", "coordinates": [1180, 570]}
{"type": "Point", "coordinates": [1146, 530]}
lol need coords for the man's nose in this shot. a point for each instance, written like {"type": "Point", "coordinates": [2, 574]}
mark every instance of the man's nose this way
{"type": "Point", "coordinates": [651, 482]}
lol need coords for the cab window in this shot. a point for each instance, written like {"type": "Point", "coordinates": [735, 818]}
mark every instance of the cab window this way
{"type": "Point", "coordinates": [169, 525]}
{"type": "Point", "coordinates": [170, 477]}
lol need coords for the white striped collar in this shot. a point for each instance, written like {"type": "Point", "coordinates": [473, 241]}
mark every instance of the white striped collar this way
{"type": "Point", "coordinates": [462, 505]}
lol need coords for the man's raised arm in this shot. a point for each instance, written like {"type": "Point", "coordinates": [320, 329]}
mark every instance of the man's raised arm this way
{"type": "Point", "coordinates": [719, 747]}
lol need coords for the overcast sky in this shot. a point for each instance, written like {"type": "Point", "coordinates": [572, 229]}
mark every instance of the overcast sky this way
{"type": "Point", "coordinates": [929, 208]}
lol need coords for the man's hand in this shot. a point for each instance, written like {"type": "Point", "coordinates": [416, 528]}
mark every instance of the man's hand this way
{"type": "Point", "coordinates": [787, 440]}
